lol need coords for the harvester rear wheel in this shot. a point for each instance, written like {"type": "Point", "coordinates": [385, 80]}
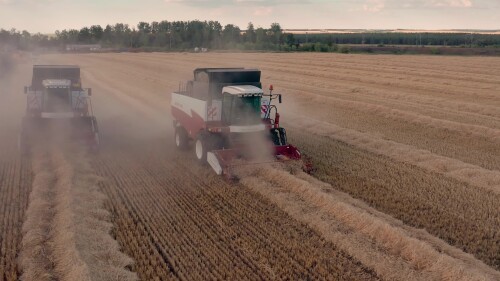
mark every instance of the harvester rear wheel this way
{"type": "Point", "coordinates": [181, 138]}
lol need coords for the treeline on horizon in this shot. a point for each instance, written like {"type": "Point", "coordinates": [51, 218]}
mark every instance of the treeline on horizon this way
{"type": "Point", "coordinates": [186, 35]}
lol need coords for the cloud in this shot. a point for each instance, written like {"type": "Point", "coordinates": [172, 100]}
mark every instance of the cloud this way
{"type": "Point", "coordinates": [374, 6]}
{"type": "Point", "coordinates": [450, 3]}
{"type": "Point", "coordinates": [29, 2]}
{"type": "Point", "coordinates": [222, 3]}
{"type": "Point", "coordinates": [263, 11]}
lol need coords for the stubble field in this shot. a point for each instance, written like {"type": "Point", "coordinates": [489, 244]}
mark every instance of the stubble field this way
{"type": "Point", "coordinates": [406, 151]}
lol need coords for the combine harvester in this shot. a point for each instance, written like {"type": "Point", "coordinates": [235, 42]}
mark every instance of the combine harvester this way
{"type": "Point", "coordinates": [227, 114]}
{"type": "Point", "coordinates": [57, 101]}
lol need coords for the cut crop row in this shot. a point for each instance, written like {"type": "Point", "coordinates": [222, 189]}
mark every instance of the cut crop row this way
{"type": "Point", "coordinates": [208, 230]}
{"type": "Point", "coordinates": [15, 186]}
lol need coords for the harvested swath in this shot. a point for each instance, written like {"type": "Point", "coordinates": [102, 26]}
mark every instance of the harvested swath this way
{"type": "Point", "coordinates": [391, 113]}
{"type": "Point", "coordinates": [420, 198]}
{"type": "Point", "coordinates": [66, 233]}
{"type": "Point", "coordinates": [35, 256]}
{"type": "Point", "coordinates": [15, 186]}
{"type": "Point", "coordinates": [402, 255]}
{"type": "Point", "coordinates": [453, 168]}
{"type": "Point", "coordinates": [184, 224]}
{"type": "Point", "coordinates": [484, 115]}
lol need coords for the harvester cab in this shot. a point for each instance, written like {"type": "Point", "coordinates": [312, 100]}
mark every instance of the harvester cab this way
{"type": "Point", "coordinates": [241, 105]}
{"type": "Point", "coordinates": [56, 103]}
{"type": "Point", "coordinates": [229, 117]}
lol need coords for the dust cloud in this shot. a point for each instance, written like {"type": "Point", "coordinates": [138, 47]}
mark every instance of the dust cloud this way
{"type": "Point", "coordinates": [66, 229]}
{"type": "Point", "coordinates": [6, 65]}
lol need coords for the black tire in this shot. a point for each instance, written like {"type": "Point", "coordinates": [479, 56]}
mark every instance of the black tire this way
{"type": "Point", "coordinates": [278, 136]}
{"type": "Point", "coordinates": [181, 138]}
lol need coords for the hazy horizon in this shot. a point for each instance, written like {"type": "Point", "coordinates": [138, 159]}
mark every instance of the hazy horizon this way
{"type": "Point", "coordinates": [47, 16]}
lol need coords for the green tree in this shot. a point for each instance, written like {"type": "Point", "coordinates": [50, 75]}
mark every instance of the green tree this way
{"type": "Point", "coordinates": [144, 27]}
{"type": "Point", "coordinates": [276, 33]}
{"type": "Point", "coordinates": [261, 36]}
{"type": "Point", "coordinates": [250, 33]}
{"type": "Point", "coordinates": [84, 35]}
{"type": "Point", "coordinates": [289, 39]}
{"type": "Point", "coordinates": [96, 33]}
{"type": "Point", "coordinates": [231, 34]}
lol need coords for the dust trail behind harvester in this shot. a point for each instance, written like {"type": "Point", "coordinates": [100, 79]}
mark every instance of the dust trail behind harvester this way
{"type": "Point", "coordinates": [66, 231]}
{"type": "Point", "coordinates": [6, 64]}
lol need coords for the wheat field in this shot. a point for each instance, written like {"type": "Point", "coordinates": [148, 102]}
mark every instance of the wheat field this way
{"type": "Point", "coordinates": [405, 186]}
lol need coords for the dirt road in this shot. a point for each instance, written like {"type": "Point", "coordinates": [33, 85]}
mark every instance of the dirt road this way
{"type": "Point", "coordinates": [416, 141]}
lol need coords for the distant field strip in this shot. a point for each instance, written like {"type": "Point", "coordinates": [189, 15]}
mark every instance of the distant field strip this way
{"type": "Point", "coordinates": [471, 174]}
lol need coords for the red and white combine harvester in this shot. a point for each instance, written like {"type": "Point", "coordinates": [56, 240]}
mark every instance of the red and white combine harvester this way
{"type": "Point", "coordinates": [229, 117]}
{"type": "Point", "coordinates": [58, 105]}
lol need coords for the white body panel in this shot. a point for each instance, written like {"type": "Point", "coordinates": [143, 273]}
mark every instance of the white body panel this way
{"type": "Point", "coordinates": [57, 115]}
{"type": "Point", "coordinates": [265, 104]}
{"type": "Point", "coordinates": [189, 105]}
{"type": "Point", "coordinates": [35, 99]}
{"type": "Point", "coordinates": [214, 112]}
{"type": "Point", "coordinates": [214, 163]}
{"type": "Point", "coordinates": [243, 90]}
{"type": "Point", "coordinates": [56, 83]}
{"type": "Point", "coordinates": [247, 129]}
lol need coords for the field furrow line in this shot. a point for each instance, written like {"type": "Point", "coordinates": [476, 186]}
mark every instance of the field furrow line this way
{"type": "Point", "coordinates": [128, 231]}
{"type": "Point", "coordinates": [173, 240]}
{"type": "Point", "coordinates": [201, 221]}
{"type": "Point", "coordinates": [216, 218]}
{"type": "Point", "coordinates": [15, 184]}
{"type": "Point", "coordinates": [350, 92]}
{"type": "Point", "coordinates": [370, 79]}
{"type": "Point", "coordinates": [474, 175]}
{"type": "Point", "coordinates": [140, 213]}
{"type": "Point", "coordinates": [463, 215]}
{"type": "Point", "coordinates": [250, 230]}
{"type": "Point", "coordinates": [421, 259]}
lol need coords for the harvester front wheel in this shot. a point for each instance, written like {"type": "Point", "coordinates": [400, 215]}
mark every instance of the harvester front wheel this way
{"type": "Point", "coordinates": [200, 149]}
{"type": "Point", "coordinates": [181, 138]}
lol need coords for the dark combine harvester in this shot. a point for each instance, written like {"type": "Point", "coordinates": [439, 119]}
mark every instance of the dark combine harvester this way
{"type": "Point", "coordinates": [57, 101]}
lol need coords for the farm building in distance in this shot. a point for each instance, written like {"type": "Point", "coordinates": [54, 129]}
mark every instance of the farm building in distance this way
{"type": "Point", "coordinates": [83, 48]}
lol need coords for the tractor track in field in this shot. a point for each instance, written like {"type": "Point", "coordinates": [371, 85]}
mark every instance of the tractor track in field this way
{"type": "Point", "coordinates": [15, 186]}
{"type": "Point", "coordinates": [221, 230]}
{"type": "Point", "coordinates": [461, 214]}
{"type": "Point", "coordinates": [65, 231]}
{"type": "Point", "coordinates": [394, 250]}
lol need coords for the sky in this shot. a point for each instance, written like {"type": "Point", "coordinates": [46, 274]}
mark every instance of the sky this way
{"type": "Point", "coordinates": [46, 16]}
